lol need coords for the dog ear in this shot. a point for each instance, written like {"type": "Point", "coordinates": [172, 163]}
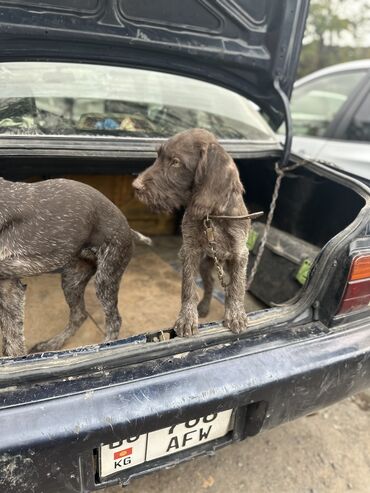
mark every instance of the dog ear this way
{"type": "Point", "coordinates": [216, 179]}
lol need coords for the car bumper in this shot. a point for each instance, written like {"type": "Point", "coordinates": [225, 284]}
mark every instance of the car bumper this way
{"type": "Point", "coordinates": [50, 431]}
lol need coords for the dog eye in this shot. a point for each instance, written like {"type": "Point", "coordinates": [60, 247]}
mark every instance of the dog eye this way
{"type": "Point", "coordinates": [175, 163]}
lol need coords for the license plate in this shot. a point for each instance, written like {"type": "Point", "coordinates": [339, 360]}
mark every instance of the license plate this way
{"type": "Point", "coordinates": [124, 454]}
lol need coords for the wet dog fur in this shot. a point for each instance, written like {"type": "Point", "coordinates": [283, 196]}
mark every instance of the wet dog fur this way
{"type": "Point", "coordinates": [66, 226]}
{"type": "Point", "coordinates": [193, 171]}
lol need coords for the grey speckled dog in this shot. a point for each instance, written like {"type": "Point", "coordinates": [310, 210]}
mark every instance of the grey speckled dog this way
{"type": "Point", "coordinates": [194, 171]}
{"type": "Point", "coordinates": [60, 225]}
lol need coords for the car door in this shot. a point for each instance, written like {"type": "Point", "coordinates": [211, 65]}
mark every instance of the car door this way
{"type": "Point", "coordinates": [350, 148]}
{"type": "Point", "coordinates": [319, 106]}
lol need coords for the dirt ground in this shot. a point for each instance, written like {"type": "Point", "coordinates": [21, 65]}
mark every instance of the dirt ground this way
{"type": "Point", "coordinates": [326, 452]}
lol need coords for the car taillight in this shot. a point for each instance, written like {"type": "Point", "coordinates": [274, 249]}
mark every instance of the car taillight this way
{"type": "Point", "coordinates": [357, 292]}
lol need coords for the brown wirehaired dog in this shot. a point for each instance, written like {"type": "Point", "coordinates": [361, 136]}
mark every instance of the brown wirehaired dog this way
{"type": "Point", "coordinates": [192, 170]}
{"type": "Point", "coordinates": [66, 226]}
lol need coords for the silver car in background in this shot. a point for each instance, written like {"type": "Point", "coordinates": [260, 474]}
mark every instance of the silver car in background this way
{"type": "Point", "coordinates": [331, 116]}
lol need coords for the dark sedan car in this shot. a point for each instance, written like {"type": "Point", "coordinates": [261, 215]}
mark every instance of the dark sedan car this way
{"type": "Point", "coordinates": [91, 87]}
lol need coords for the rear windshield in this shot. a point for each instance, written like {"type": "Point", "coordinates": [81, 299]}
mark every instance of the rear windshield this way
{"type": "Point", "coordinates": [47, 98]}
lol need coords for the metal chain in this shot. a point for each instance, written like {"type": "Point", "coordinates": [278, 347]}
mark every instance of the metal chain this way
{"type": "Point", "coordinates": [280, 175]}
{"type": "Point", "coordinates": [209, 232]}
{"type": "Point", "coordinates": [209, 229]}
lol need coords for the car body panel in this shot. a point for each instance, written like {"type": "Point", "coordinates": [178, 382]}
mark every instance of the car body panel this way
{"type": "Point", "coordinates": [350, 157]}
{"type": "Point", "coordinates": [332, 69]}
{"type": "Point", "coordinates": [242, 45]}
{"type": "Point", "coordinates": [308, 147]}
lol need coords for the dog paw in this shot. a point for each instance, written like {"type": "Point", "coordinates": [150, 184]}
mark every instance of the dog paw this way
{"type": "Point", "coordinates": [236, 321]}
{"type": "Point", "coordinates": [42, 347]}
{"type": "Point", "coordinates": [53, 344]}
{"type": "Point", "coordinates": [203, 308]}
{"type": "Point", "coordinates": [187, 324]}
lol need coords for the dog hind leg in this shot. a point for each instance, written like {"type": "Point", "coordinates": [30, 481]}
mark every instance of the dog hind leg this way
{"type": "Point", "coordinates": [112, 262]}
{"type": "Point", "coordinates": [75, 277]}
{"type": "Point", "coordinates": [12, 301]}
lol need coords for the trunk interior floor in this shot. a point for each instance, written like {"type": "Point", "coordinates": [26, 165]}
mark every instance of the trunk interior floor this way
{"type": "Point", "coordinates": [149, 298]}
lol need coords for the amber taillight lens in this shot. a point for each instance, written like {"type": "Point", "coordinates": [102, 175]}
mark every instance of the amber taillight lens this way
{"type": "Point", "coordinates": [357, 292]}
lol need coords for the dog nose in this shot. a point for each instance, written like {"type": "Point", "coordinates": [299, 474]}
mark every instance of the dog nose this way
{"type": "Point", "coordinates": [138, 184]}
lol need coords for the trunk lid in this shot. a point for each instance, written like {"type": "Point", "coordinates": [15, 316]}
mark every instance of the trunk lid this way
{"type": "Point", "coordinates": [240, 44]}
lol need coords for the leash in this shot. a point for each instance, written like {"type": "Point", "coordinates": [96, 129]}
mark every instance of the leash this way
{"type": "Point", "coordinates": [253, 215]}
{"type": "Point", "coordinates": [95, 323]}
{"type": "Point", "coordinates": [210, 235]}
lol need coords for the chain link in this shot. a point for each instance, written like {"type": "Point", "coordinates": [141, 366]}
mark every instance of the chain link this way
{"type": "Point", "coordinates": [209, 232]}
{"type": "Point", "coordinates": [209, 229]}
{"type": "Point", "coordinates": [280, 175]}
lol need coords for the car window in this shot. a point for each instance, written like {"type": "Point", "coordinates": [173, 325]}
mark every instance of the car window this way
{"type": "Point", "coordinates": [45, 98]}
{"type": "Point", "coordinates": [359, 127]}
{"type": "Point", "coordinates": [315, 104]}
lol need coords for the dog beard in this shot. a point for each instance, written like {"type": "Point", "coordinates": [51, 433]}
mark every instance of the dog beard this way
{"type": "Point", "coordinates": [159, 203]}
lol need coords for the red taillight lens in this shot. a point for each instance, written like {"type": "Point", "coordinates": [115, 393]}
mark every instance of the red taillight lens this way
{"type": "Point", "coordinates": [357, 292]}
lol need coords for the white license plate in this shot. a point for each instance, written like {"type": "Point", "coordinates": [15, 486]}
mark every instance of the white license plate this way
{"type": "Point", "coordinates": [124, 454]}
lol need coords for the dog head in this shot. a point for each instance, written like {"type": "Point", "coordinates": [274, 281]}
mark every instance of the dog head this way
{"type": "Point", "coordinates": [192, 170]}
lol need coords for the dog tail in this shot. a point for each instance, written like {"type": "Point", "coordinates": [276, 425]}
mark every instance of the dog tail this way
{"type": "Point", "coordinates": [139, 238]}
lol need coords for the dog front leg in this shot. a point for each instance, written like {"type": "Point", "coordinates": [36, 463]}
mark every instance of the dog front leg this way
{"type": "Point", "coordinates": [235, 316]}
{"type": "Point", "coordinates": [186, 324]}
{"type": "Point", "coordinates": [205, 269]}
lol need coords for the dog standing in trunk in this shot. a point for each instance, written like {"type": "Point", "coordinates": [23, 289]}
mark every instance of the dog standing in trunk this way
{"type": "Point", "coordinates": [192, 170]}
{"type": "Point", "coordinates": [67, 226]}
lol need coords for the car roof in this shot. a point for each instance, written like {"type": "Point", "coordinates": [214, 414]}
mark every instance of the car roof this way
{"type": "Point", "coordinates": [340, 67]}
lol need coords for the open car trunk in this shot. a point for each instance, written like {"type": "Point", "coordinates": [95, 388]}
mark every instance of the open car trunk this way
{"type": "Point", "coordinates": [84, 402]}
{"type": "Point", "coordinates": [313, 207]}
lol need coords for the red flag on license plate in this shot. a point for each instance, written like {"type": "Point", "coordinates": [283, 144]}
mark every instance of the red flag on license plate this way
{"type": "Point", "coordinates": [122, 453]}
